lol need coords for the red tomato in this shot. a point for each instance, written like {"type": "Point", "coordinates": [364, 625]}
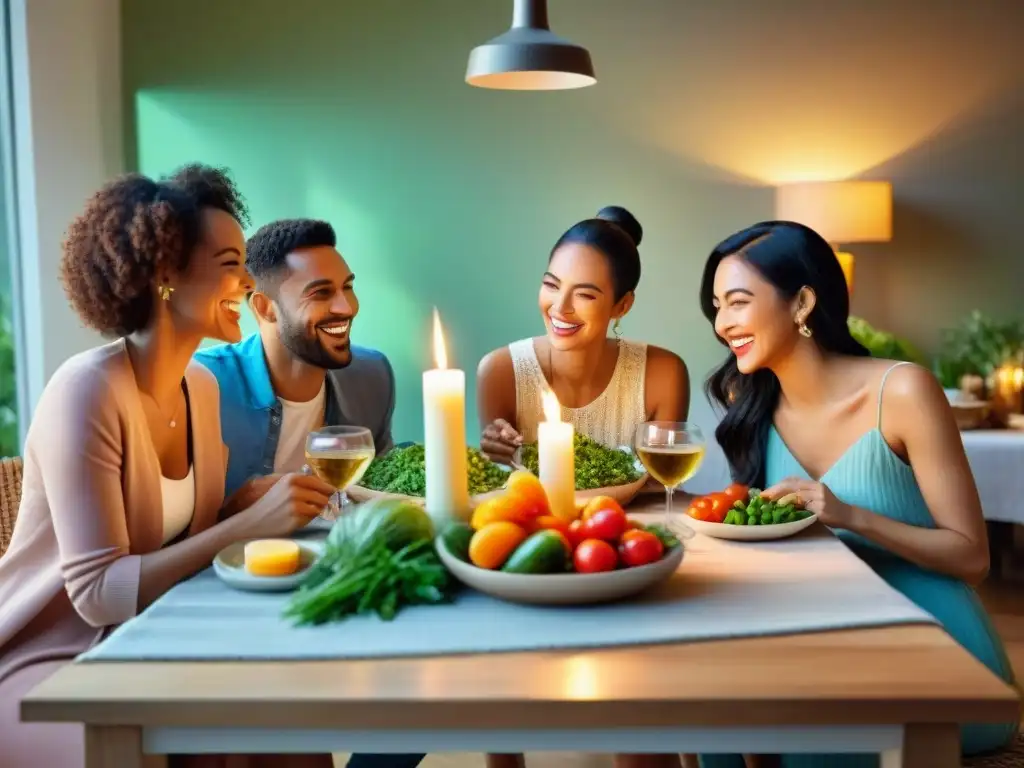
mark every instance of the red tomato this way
{"type": "Point", "coordinates": [698, 513]}
{"type": "Point", "coordinates": [736, 492]}
{"type": "Point", "coordinates": [720, 504]}
{"type": "Point", "coordinates": [607, 524]}
{"type": "Point", "coordinates": [701, 502]}
{"type": "Point", "coordinates": [600, 503]}
{"type": "Point", "coordinates": [640, 548]}
{"type": "Point", "coordinates": [576, 533]}
{"type": "Point", "coordinates": [594, 556]}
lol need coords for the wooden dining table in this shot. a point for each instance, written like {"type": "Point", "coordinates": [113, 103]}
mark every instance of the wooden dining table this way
{"type": "Point", "coordinates": [898, 691]}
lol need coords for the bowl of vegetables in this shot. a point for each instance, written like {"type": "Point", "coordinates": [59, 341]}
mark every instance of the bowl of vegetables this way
{"type": "Point", "coordinates": [742, 514]}
{"type": "Point", "coordinates": [514, 549]}
{"type": "Point", "coordinates": [401, 474]}
{"type": "Point", "coordinates": [600, 471]}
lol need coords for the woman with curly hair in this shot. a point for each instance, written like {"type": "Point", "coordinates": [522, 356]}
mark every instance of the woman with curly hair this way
{"type": "Point", "coordinates": [124, 462]}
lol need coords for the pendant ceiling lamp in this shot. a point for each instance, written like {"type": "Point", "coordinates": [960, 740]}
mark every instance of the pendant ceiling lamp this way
{"type": "Point", "coordinates": [530, 57]}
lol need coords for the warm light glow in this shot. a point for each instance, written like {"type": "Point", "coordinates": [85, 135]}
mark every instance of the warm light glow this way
{"type": "Point", "coordinates": [582, 680]}
{"type": "Point", "coordinates": [842, 211]}
{"type": "Point", "coordinates": [552, 410]}
{"type": "Point", "coordinates": [440, 354]}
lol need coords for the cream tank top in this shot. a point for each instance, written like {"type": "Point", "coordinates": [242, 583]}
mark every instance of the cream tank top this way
{"type": "Point", "coordinates": [611, 418]}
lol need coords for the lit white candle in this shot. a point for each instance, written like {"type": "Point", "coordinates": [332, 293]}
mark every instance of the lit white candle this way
{"type": "Point", "coordinates": [444, 428]}
{"type": "Point", "coordinates": [557, 460]}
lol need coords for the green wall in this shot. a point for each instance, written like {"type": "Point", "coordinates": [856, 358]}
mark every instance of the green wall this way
{"type": "Point", "coordinates": [447, 195]}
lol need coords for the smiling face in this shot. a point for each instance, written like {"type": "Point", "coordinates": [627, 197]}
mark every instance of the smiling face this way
{"type": "Point", "coordinates": [209, 292]}
{"type": "Point", "coordinates": [758, 323]}
{"type": "Point", "coordinates": [315, 306]}
{"type": "Point", "coordinates": [577, 297]}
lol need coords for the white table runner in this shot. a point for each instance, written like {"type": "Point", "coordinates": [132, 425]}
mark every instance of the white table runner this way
{"type": "Point", "coordinates": [808, 583]}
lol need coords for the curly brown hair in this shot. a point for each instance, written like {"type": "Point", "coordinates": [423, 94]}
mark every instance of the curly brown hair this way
{"type": "Point", "coordinates": [132, 230]}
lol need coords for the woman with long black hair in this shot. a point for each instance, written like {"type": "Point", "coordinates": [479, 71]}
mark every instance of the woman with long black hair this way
{"type": "Point", "coordinates": [869, 445]}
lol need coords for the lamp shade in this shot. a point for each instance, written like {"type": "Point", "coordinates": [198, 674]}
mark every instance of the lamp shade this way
{"type": "Point", "coordinates": [529, 56]}
{"type": "Point", "coordinates": [839, 211]}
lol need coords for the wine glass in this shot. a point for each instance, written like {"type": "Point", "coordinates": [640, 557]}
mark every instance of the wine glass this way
{"type": "Point", "coordinates": [672, 452]}
{"type": "Point", "coordinates": [339, 456]}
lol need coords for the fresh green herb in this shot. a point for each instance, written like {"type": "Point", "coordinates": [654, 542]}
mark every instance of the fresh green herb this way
{"type": "Point", "coordinates": [596, 465]}
{"type": "Point", "coordinates": [668, 539]}
{"type": "Point", "coordinates": [403, 470]}
{"type": "Point", "coordinates": [378, 559]}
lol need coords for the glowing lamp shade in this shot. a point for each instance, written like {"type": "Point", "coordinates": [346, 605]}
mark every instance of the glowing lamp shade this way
{"type": "Point", "coordinates": [841, 212]}
{"type": "Point", "coordinates": [529, 56]}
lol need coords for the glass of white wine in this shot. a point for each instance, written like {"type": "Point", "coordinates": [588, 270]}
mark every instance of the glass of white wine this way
{"type": "Point", "coordinates": [672, 452]}
{"type": "Point", "coordinates": [339, 456]}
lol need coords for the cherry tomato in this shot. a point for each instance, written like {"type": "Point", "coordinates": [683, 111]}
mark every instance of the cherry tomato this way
{"type": "Point", "coordinates": [576, 533]}
{"type": "Point", "coordinates": [640, 548]}
{"type": "Point", "coordinates": [607, 524]}
{"type": "Point", "coordinates": [701, 502]}
{"type": "Point", "coordinates": [594, 556]}
{"type": "Point", "coordinates": [698, 513]}
{"type": "Point", "coordinates": [736, 492]}
{"type": "Point", "coordinates": [599, 503]}
{"type": "Point", "coordinates": [720, 504]}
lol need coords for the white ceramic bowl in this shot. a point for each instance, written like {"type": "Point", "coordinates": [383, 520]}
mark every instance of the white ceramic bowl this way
{"type": "Point", "coordinates": [562, 588]}
{"type": "Point", "coordinates": [229, 565]}
{"type": "Point", "coordinates": [749, 532]}
{"type": "Point", "coordinates": [623, 494]}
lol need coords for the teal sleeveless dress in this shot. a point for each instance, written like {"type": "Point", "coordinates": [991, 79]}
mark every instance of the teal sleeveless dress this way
{"type": "Point", "coordinates": [869, 475]}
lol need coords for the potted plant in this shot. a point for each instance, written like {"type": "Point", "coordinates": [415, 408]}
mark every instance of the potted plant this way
{"type": "Point", "coordinates": [971, 352]}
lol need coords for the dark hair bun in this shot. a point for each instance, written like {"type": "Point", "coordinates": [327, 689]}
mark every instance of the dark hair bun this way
{"type": "Point", "coordinates": [619, 215]}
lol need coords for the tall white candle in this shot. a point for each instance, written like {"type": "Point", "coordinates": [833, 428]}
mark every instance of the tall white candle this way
{"type": "Point", "coordinates": [557, 460]}
{"type": "Point", "coordinates": [444, 428]}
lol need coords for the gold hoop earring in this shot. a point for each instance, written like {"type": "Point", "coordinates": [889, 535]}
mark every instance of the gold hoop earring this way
{"type": "Point", "coordinates": [165, 292]}
{"type": "Point", "coordinates": [805, 331]}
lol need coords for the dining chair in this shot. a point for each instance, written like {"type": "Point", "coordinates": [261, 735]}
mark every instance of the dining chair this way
{"type": "Point", "coordinates": [10, 498]}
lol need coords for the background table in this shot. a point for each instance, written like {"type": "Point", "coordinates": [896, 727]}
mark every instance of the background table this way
{"type": "Point", "coordinates": [997, 463]}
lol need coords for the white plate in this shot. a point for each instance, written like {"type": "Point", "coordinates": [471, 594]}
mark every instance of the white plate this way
{"type": "Point", "coordinates": [748, 532]}
{"type": "Point", "coordinates": [562, 588]}
{"type": "Point", "coordinates": [229, 565]}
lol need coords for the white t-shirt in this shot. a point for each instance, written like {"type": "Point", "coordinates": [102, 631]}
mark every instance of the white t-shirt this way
{"type": "Point", "coordinates": [297, 421]}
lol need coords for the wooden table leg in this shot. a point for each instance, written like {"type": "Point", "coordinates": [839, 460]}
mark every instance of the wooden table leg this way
{"type": "Point", "coordinates": [113, 746]}
{"type": "Point", "coordinates": [926, 746]}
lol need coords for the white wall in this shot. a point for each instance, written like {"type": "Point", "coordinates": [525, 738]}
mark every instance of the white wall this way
{"type": "Point", "coordinates": [68, 140]}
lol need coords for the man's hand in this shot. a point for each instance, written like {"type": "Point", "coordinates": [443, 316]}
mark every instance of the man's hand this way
{"type": "Point", "coordinates": [251, 491]}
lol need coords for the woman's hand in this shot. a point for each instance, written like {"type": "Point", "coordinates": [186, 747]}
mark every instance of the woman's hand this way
{"type": "Point", "coordinates": [500, 441]}
{"type": "Point", "coordinates": [248, 494]}
{"type": "Point", "coordinates": [814, 497]}
{"type": "Point", "coordinates": [291, 503]}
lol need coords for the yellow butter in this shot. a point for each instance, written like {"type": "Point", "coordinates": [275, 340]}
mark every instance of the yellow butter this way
{"type": "Point", "coordinates": [271, 557]}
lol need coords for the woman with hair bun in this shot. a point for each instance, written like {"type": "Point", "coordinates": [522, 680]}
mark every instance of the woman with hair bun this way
{"type": "Point", "coordinates": [606, 386]}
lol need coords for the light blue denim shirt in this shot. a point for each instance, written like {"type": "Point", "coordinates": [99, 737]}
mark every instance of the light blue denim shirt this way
{"type": "Point", "coordinates": [361, 394]}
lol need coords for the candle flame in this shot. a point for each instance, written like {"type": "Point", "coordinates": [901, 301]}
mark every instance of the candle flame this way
{"type": "Point", "coordinates": [440, 354]}
{"type": "Point", "coordinates": [552, 410]}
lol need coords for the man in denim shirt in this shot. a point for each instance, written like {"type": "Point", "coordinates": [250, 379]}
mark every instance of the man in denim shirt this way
{"type": "Point", "coordinates": [298, 373]}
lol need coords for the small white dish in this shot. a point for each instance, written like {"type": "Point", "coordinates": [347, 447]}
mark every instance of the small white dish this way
{"type": "Point", "coordinates": [749, 532]}
{"type": "Point", "coordinates": [229, 565]}
{"type": "Point", "coordinates": [561, 588]}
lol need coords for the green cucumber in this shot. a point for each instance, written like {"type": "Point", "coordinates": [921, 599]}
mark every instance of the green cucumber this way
{"type": "Point", "coordinates": [456, 539]}
{"type": "Point", "coordinates": [542, 552]}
